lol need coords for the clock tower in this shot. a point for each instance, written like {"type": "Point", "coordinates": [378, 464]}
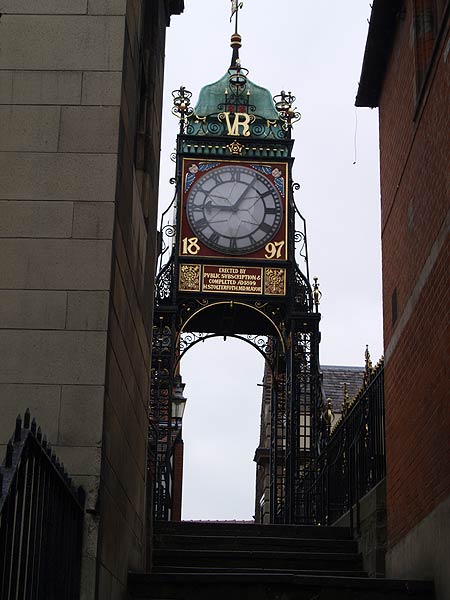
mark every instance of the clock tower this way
{"type": "Point", "coordinates": [234, 263]}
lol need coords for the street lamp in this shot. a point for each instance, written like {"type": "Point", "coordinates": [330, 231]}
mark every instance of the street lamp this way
{"type": "Point", "coordinates": [178, 401]}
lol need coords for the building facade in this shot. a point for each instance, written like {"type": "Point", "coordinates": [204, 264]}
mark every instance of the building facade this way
{"type": "Point", "coordinates": [80, 115]}
{"type": "Point", "coordinates": [406, 75]}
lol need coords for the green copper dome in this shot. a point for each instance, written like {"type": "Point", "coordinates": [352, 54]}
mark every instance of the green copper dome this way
{"type": "Point", "coordinates": [236, 107]}
{"type": "Point", "coordinates": [213, 95]}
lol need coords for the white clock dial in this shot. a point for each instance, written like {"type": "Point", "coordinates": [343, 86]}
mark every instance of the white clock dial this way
{"type": "Point", "coordinates": [234, 209]}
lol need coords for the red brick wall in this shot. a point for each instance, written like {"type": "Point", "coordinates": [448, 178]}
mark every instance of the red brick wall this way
{"type": "Point", "coordinates": [414, 151]}
{"type": "Point", "coordinates": [417, 409]}
{"type": "Point", "coordinates": [177, 492]}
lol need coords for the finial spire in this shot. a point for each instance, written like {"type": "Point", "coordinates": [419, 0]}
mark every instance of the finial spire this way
{"type": "Point", "coordinates": [235, 38]}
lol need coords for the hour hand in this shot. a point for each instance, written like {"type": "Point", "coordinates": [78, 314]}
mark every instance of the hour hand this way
{"type": "Point", "coordinates": [209, 205]}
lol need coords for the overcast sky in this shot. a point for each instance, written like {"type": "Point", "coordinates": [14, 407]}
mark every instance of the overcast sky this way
{"type": "Point", "coordinates": [314, 49]}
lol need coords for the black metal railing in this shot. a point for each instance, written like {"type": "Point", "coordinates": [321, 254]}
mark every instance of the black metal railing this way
{"type": "Point", "coordinates": [41, 521]}
{"type": "Point", "coordinates": [353, 460]}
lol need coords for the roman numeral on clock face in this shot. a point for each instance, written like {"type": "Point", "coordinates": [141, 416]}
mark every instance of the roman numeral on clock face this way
{"type": "Point", "coordinates": [271, 211]}
{"type": "Point", "coordinates": [233, 245]}
{"type": "Point", "coordinates": [201, 224]}
{"type": "Point", "coordinates": [214, 237]}
{"type": "Point", "coordinates": [265, 227]}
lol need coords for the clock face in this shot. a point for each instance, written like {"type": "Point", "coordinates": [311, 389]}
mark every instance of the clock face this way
{"type": "Point", "coordinates": [234, 209]}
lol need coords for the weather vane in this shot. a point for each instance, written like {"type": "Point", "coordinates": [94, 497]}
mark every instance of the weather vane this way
{"type": "Point", "coordinates": [235, 7]}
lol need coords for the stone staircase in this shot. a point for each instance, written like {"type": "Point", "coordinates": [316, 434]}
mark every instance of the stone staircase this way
{"type": "Point", "coordinates": [223, 561]}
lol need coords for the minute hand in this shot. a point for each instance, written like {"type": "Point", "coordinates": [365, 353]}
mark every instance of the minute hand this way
{"type": "Point", "coordinates": [242, 196]}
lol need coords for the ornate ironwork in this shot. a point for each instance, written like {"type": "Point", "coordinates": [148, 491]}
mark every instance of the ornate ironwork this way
{"type": "Point", "coordinates": [261, 343]}
{"type": "Point", "coordinates": [167, 231]}
{"type": "Point", "coordinates": [288, 114]}
{"type": "Point", "coordinates": [237, 99]}
{"type": "Point", "coordinates": [305, 419]}
{"type": "Point", "coordinates": [316, 293]}
{"type": "Point", "coordinates": [353, 460]}
{"type": "Point", "coordinates": [300, 238]}
{"type": "Point", "coordinates": [182, 108]}
{"type": "Point", "coordinates": [302, 292]}
{"type": "Point", "coordinates": [214, 124]}
{"type": "Point", "coordinates": [191, 338]}
{"type": "Point", "coordinates": [164, 282]}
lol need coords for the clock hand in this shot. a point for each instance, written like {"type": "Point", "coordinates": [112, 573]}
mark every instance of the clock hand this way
{"type": "Point", "coordinates": [209, 205]}
{"type": "Point", "coordinates": [244, 193]}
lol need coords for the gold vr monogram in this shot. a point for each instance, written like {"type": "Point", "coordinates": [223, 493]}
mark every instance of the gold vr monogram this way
{"type": "Point", "coordinates": [241, 120]}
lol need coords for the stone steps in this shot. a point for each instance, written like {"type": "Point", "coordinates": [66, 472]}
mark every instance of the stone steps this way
{"type": "Point", "coordinates": [243, 561]}
{"type": "Point", "coordinates": [239, 542]}
{"type": "Point", "coordinates": [259, 559]}
{"type": "Point", "coordinates": [211, 528]}
{"type": "Point", "coordinates": [270, 586]}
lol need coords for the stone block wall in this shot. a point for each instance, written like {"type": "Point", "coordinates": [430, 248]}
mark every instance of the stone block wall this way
{"type": "Point", "coordinates": [80, 86]}
{"type": "Point", "coordinates": [371, 536]}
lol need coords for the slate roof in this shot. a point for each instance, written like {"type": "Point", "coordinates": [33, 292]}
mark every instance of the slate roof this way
{"type": "Point", "coordinates": [334, 378]}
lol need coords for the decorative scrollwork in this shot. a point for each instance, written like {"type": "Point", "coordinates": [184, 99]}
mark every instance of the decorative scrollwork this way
{"type": "Point", "coordinates": [167, 233]}
{"type": "Point", "coordinates": [182, 108]}
{"type": "Point", "coordinates": [262, 343]}
{"type": "Point", "coordinates": [300, 240]}
{"type": "Point", "coordinates": [216, 123]}
{"type": "Point", "coordinates": [295, 186]}
{"type": "Point", "coordinates": [169, 230]}
{"type": "Point", "coordinates": [164, 282]}
{"type": "Point", "coordinates": [190, 338]}
{"type": "Point", "coordinates": [215, 128]}
{"type": "Point", "coordinates": [190, 128]}
{"type": "Point", "coordinates": [162, 338]}
{"type": "Point", "coordinates": [173, 181]}
{"type": "Point", "coordinates": [188, 309]}
{"type": "Point", "coordinates": [288, 114]}
{"type": "Point", "coordinates": [173, 156]}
